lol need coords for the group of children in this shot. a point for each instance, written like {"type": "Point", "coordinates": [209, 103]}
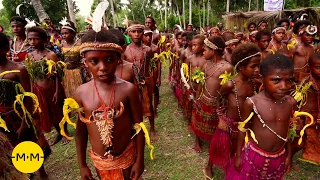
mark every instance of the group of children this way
{"type": "Point", "coordinates": [234, 91]}
{"type": "Point", "coordinates": [243, 93]}
{"type": "Point", "coordinates": [111, 87]}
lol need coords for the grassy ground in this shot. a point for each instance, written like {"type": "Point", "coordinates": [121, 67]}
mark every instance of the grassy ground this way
{"type": "Point", "coordinates": [174, 157]}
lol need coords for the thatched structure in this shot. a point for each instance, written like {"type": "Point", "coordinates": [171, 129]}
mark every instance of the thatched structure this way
{"type": "Point", "coordinates": [241, 19]}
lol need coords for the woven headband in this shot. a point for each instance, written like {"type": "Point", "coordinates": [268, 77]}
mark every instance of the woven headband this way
{"type": "Point", "coordinates": [68, 27]}
{"type": "Point", "coordinates": [253, 32]}
{"type": "Point", "coordinates": [232, 41]}
{"type": "Point", "coordinates": [248, 57]}
{"type": "Point", "coordinates": [135, 27]}
{"type": "Point", "coordinates": [312, 30]}
{"type": "Point", "coordinates": [84, 47]}
{"type": "Point", "coordinates": [210, 44]}
{"type": "Point", "coordinates": [148, 31]}
{"type": "Point", "coordinates": [277, 29]}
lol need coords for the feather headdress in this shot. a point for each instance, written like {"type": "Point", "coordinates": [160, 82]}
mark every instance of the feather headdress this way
{"type": "Point", "coordinates": [97, 15]}
{"type": "Point", "coordinates": [178, 27]}
{"type": "Point", "coordinates": [30, 23]}
{"type": "Point", "coordinates": [64, 22]}
{"type": "Point", "coordinates": [18, 9]}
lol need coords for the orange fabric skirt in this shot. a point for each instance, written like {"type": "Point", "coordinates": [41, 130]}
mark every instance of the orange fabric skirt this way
{"type": "Point", "coordinates": [111, 169]}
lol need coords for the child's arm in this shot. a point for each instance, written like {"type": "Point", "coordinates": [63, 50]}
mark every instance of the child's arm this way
{"type": "Point", "coordinates": [223, 93]}
{"type": "Point", "coordinates": [248, 107]}
{"type": "Point", "coordinates": [288, 161]}
{"type": "Point", "coordinates": [56, 96]}
{"type": "Point", "coordinates": [81, 144]}
{"type": "Point", "coordinates": [136, 109]}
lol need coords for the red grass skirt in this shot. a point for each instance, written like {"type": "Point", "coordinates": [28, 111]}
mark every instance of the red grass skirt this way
{"type": "Point", "coordinates": [204, 117]}
{"type": "Point", "coordinates": [51, 113]}
{"type": "Point", "coordinates": [223, 142]}
{"type": "Point", "coordinates": [187, 104]}
{"type": "Point", "coordinates": [257, 164]}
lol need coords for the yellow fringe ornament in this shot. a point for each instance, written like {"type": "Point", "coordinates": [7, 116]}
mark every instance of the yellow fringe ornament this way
{"type": "Point", "coordinates": [185, 69]}
{"type": "Point", "coordinates": [241, 128]}
{"type": "Point", "coordinates": [296, 114]}
{"type": "Point", "coordinates": [138, 128]}
{"type": "Point", "coordinates": [68, 106]}
{"type": "Point", "coordinates": [300, 94]}
{"type": "Point", "coordinates": [294, 42]}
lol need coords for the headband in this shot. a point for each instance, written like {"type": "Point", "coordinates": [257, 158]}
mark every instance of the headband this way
{"type": "Point", "coordinates": [238, 33]}
{"type": "Point", "coordinates": [135, 27]}
{"type": "Point", "coordinates": [18, 22]}
{"type": "Point", "coordinates": [232, 41]}
{"type": "Point", "coordinates": [312, 30]}
{"type": "Point", "coordinates": [214, 28]}
{"type": "Point", "coordinates": [253, 32]}
{"type": "Point", "coordinates": [248, 57]}
{"type": "Point", "coordinates": [147, 31]}
{"type": "Point", "coordinates": [68, 27]}
{"type": "Point", "coordinates": [210, 44]}
{"type": "Point", "coordinates": [277, 29]}
{"type": "Point", "coordinates": [262, 22]}
{"type": "Point", "coordinates": [99, 47]}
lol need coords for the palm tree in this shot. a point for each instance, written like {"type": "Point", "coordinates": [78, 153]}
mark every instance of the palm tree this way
{"type": "Point", "coordinates": [41, 13]}
{"type": "Point", "coordinates": [228, 6]}
{"type": "Point", "coordinates": [190, 11]}
{"type": "Point", "coordinates": [71, 11]}
{"type": "Point", "coordinates": [113, 13]}
{"type": "Point", "coordinates": [184, 14]}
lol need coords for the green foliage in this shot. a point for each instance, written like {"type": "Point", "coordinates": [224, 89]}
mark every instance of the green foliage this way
{"type": "Point", "coordinates": [4, 22]}
{"type": "Point", "coordinates": [56, 9]}
{"type": "Point", "coordinates": [81, 24]}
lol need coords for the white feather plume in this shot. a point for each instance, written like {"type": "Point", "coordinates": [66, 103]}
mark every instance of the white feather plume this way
{"type": "Point", "coordinates": [98, 14]}
{"type": "Point", "coordinates": [179, 27]}
{"type": "Point", "coordinates": [64, 22]}
{"type": "Point", "coordinates": [30, 23]}
{"type": "Point", "coordinates": [303, 15]}
{"type": "Point", "coordinates": [18, 9]}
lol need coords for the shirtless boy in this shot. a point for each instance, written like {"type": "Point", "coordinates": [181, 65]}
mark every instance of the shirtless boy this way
{"type": "Point", "coordinates": [263, 38]}
{"type": "Point", "coordinates": [276, 42]}
{"type": "Point", "coordinates": [114, 154]}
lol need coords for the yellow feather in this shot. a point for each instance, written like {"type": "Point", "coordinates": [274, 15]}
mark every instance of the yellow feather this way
{"type": "Point", "coordinates": [68, 106]}
{"type": "Point", "coordinates": [50, 64]}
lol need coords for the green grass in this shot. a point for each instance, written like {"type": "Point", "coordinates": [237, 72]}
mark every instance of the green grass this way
{"type": "Point", "coordinates": [174, 157]}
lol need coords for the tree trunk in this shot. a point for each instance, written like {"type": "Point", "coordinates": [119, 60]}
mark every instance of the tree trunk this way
{"type": "Point", "coordinates": [199, 7]}
{"type": "Point", "coordinates": [190, 11]}
{"type": "Point", "coordinates": [249, 5]}
{"type": "Point", "coordinates": [204, 13]}
{"type": "Point", "coordinates": [208, 16]}
{"type": "Point", "coordinates": [178, 13]}
{"type": "Point", "coordinates": [257, 5]}
{"type": "Point", "coordinates": [165, 14]}
{"type": "Point", "coordinates": [41, 13]}
{"type": "Point", "coordinates": [113, 14]}
{"type": "Point", "coordinates": [71, 12]}
{"type": "Point", "coordinates": [228, 6]}
{"type": "Point", "coordinates": [184, 14]}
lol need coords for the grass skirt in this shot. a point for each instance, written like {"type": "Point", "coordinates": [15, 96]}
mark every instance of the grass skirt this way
{"type": "Point", "coordinates": [204, 117]}
{"type": "Point", "coordinates": [257, 164]}
{"type": "Point", "coordinates": [7, 170]}
{"type": "Point", "coordinates": [72, 80]}
{"type": "Point", "coordinates": [222, 143]}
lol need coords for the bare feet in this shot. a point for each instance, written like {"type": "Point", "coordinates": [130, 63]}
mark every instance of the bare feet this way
{"type": "Point", "coordinates": [153, 136]}
{"type": "Point", "coordinates": [64, 141]}
{"type": "Point", "coordinates": [55, 140]}
{"type": "Point", "coordinates": [208, 173]}
{"type": "Point", "coordinates": [197, 146]}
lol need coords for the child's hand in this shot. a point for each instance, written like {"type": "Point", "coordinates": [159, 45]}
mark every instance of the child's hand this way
{"type": "Point", "coordinates": [55, 98]}
{"type": "Point", "coordinates": [86, 173]}
{"type": "Point", "coordinates": [237, 163]}
{"type": "Point", "coordinates": [136, 171]}
{"type": "Point", "coordinates": [288, 164]}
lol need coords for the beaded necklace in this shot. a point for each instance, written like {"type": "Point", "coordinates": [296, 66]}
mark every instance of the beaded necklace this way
{"type": "Point", "coordinates": [217, 68]}
{"type": "Point", "coordinates": [139, 65]}
{"type": "Point", "coordinates": [105, 124]}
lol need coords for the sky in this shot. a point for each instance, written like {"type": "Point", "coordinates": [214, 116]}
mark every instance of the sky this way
{"type": "Point", "coordinates": [83, 5]}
